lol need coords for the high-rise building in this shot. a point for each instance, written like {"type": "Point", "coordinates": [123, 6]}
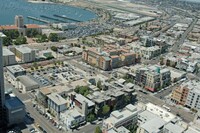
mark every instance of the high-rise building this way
{"type": "Point", "coordinates": [2, 95]}
{"type": "Point", "coordinates": [19, 21]}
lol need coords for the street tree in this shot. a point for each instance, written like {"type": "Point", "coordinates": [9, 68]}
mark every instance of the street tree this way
{"type": "Point", "coordinates": [53, 37]}
{"type": "Point", "coordinates": [98, 130]}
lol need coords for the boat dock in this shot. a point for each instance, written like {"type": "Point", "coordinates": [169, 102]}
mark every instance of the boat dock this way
{"type": "Point", "coordinates": [59, 16]}
{"type": "Point", "coordinates": [58, 20]}
{"type": "Point", "coordinates": [38, 19]}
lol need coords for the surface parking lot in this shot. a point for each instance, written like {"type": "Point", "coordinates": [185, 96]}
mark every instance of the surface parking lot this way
{"type": "Point", "coordinates": [54, 75]}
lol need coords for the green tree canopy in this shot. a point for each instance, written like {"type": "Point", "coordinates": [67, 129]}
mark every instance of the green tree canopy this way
{"type": "Point", "coordinates": [105, 109]}
{"type": "Point", "coordinates": [98, 130]}
{"type": "Point", "coordinates": [127, 99]}
{"type": "Point", "coordinates": [99, 85]}
{"type": "Point", "coordinates": [13, 34]}
{"type": "Point", "coordinates": [53, 37]}
{"type": "Point", "coordinates": [32, 32]}
{"type": "Point", "coordinates": [41, 38]}
{"type": "Point", "coordinates": [54, 48]}
{"type": "Point", "coordinates": [83, 90]}
{"type": "Point", "coordinates": [7, 41]}
{"type": "Point", "coordinates": [90, 117]}
{"type": "Point", "coordinates": [20, 40]}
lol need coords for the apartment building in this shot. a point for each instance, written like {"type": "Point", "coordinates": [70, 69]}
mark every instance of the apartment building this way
{"type": "Point", "coordinates": [82, 103]}
{"type": "Point", "coordinates": [153, 78]}
{"type": "Point", "coordinates": [179, 95]}
{"type": "Point", "coordinates": [187, 94]}
{"type": "Point", "coordinates": [116, 97]}
{"type": "Point", "coordinates": [108, 40]}
{"type": "Point", "coordinates": [108, 57]}
{"type": "Point", "coordinates": [72, 118]}
{"type": "Point", "coordinates": [128, 116]}
{"type": "Point", "coordinates": [193, 98]}
{"type": "Point", "coordinates": [149, 48]}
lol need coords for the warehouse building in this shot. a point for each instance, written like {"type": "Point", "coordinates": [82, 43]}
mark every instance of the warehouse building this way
{"type": "Point", "coordinates": [27, 84]}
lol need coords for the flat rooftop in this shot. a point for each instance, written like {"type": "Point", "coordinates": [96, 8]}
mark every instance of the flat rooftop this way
{"type": "Point", "coordinates": [81, 99]}
{"type": "Point", "coordinates": [7, 52]}
{"type": "Point", "coordinates": [57, 99]}
{"type": "Point", "coordinates": [24, 49]}
{"type": "Point", "coordinates": [15, 68]}
{"type": "Point", "coordinates": [13, 102]}
{"type": "Point", "coordinates": [153, 125]}
{"type": "Point", "coordinates": [174, 128]}
{"type": "Point", "coordinates": [27, 81]}
{"type": "Point", "coordinates": [117, 116]}
{"type": "Point", "coordinates": [161, 112]}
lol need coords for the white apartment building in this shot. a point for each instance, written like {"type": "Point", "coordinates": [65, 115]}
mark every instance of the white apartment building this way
{"type": "Point", "coordinates": [126, 117]}
{"type": "Point", "coordinates": [72, 118]}
{"type": "Point", "coordinates": [146, 52]}
{"type": "Point", "coordinates": [193, 98]}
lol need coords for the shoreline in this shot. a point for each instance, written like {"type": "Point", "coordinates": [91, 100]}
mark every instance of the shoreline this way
{"type": "Point", "coordinates": [35, 1]}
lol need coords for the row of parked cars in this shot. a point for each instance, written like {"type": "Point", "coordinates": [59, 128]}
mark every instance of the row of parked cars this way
{"type": "Point", "coordinates": [41, 79]}
{"type": "Point", "coordinates": [48, 117]}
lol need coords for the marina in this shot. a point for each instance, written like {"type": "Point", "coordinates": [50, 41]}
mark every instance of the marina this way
{"type": "Point", "coordinates": [42, 13]}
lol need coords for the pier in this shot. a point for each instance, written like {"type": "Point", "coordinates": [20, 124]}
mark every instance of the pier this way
{"type": "Point", "coordinates": [59, 16]}
{"type": "Point", "coordinates": [38, 19]}
{"type": "Point", "coordinates": [58, 20]}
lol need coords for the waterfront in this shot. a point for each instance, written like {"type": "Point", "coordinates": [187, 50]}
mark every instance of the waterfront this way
{"type": "Point", "coordinates": [10, 8]}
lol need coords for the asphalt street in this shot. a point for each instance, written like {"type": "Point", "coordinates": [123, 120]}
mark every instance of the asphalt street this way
{"type": "Point", "coordinates": [87, 129]}
{"type": "Point", "coordinates": [177, 45]}
{"type": "Point", "coordinates": [39, 119]}
{"type": "Point", "coordinates": [185, 114]}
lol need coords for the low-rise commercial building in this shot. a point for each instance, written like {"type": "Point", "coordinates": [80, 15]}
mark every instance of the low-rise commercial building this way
{"type": "Point", "coordinates": [46, 54]}
{"type": "Point", "coordinates": [24, 54]}
{"type": "Point", "coordinates": [155, 119]}
{"type": "Point", "coordinates": [12, 72]}
{"type": "Point", "coordinates": [50, 31]}
{"type": "Point", "coordinates": [56, 104]}
{"type": "Point", "coordinates": [8, 57]}
{"type": "Point", "coordinates": [26, 84]}
{"type": "Point", "coordinates": [173, 128]}
{"type": "Point", "coordinates": [154, 125]}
